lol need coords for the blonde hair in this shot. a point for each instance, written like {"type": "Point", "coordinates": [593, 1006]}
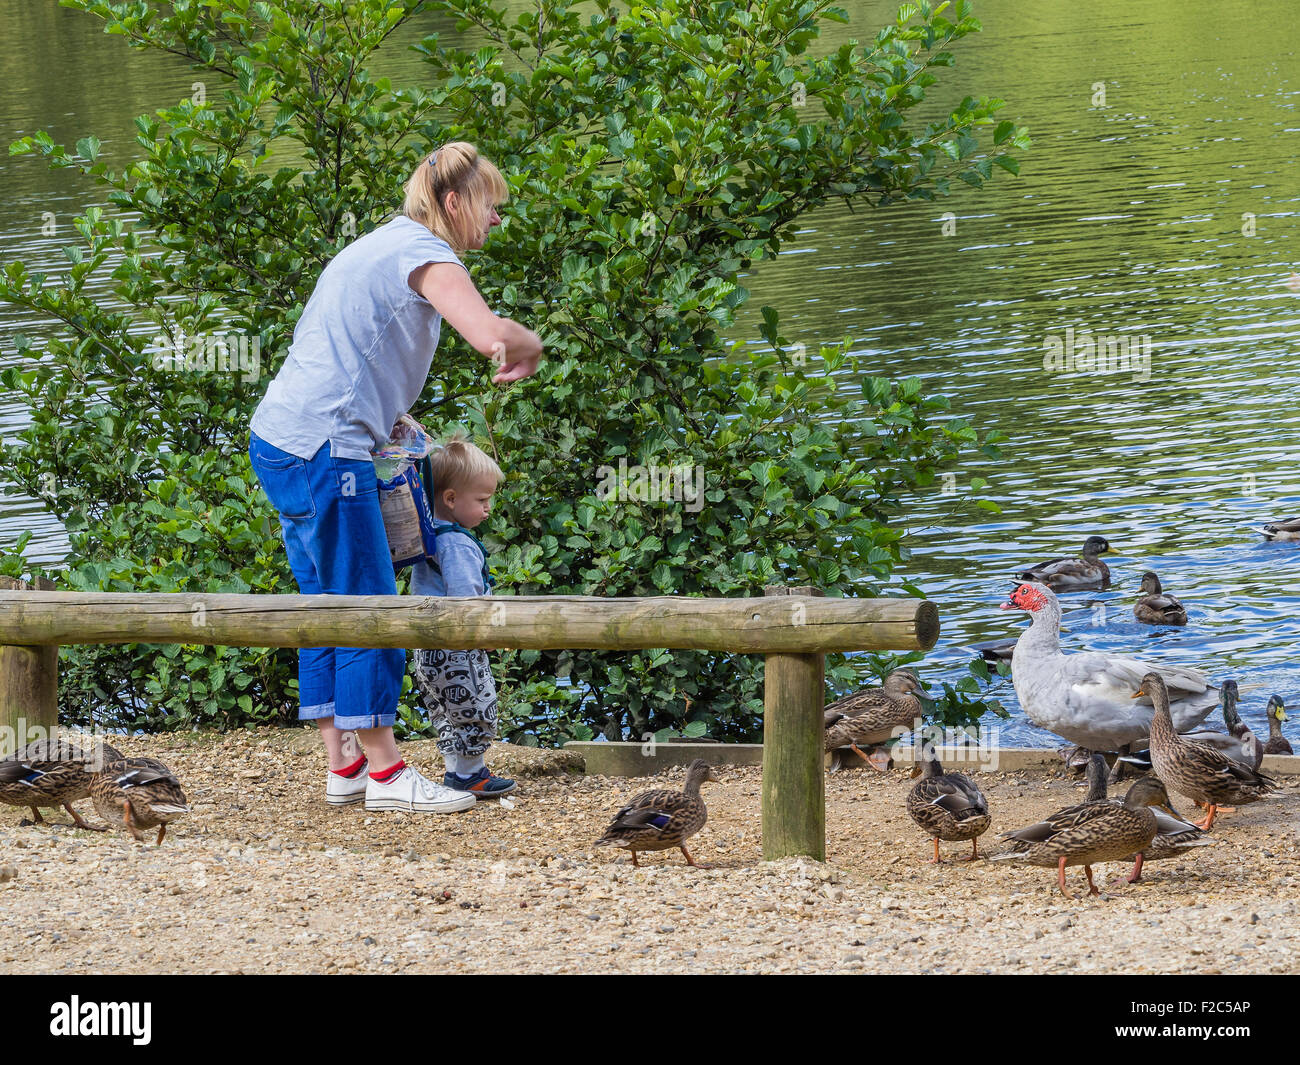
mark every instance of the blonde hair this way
{"type": "Point", "coordinates": [458, 462]}
{"type": "Point", "coordinates": [457, 167]}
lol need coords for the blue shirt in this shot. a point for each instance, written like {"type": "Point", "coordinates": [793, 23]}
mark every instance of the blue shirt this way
{"type": "Point", "coordinates": [461, 562]}
{"type": "Point", "coordinates": [361, 350]}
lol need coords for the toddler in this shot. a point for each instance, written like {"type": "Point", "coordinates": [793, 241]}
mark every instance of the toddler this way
{"type": "Point", "coordinates": [456, 686]}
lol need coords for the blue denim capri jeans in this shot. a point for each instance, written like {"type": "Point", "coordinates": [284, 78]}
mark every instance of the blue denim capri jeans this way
{"type": "Point", "coordinates": [335, 539]}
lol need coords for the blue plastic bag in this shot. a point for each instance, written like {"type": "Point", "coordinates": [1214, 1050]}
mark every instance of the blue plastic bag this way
{"type": "Point", "coordinates": [408, 520]}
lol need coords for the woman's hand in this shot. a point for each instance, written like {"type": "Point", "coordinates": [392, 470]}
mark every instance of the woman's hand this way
{"type": "Point", "coordinates": [516, 360]}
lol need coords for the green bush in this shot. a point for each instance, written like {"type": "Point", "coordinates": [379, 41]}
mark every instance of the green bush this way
{"type": "Point", "coordinates": [654, 156]}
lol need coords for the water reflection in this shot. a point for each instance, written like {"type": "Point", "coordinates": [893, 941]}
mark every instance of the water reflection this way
{"type": "Point", "coordinates": [1130, 218]}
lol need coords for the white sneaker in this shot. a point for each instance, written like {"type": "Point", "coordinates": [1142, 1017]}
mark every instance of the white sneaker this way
{"type": "Point", "coordinates": [412, 792]}
{"type": "Point", "coordinates": [344, 791]}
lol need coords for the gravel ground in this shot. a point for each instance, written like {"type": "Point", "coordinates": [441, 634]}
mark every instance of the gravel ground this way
{"type": "Point", "coordinates": [263, 877]}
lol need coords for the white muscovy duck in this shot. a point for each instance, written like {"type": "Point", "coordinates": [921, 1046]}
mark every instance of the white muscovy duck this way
{"type": "Point", "coordinates": [1089, 697]}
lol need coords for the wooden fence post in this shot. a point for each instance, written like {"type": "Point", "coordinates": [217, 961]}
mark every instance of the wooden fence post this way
{"type": "Point", "coordinates": [794, 796]}
{"type": "Point", "coordinates": [29, 678]}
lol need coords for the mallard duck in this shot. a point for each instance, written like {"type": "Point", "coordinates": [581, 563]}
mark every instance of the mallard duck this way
{"type": "Point", "coordinates": [1084, 573]}
{"type": "Point", "coordinates": [1288, 529]}
{"type": "Point", "coordinates": [1069, 815]}
{"type": "Point", "coordinates": [1174, 836]}
{"type": "Point", "coordinates": [1238, 743]}
{"type": "Point", "coordinates": [1277, 743]}
{"type": "Point", "coordinates": [872, 716]}
{"type": "Point", "coordinates": [660, 819]}
{"type": "Point", "coordinates": [1156, 608]}
{"type": "Point", "coordinates": [1249, 750]}
{"type": "Point", "coordinates": [1090, 833]}
{"type": "Point", "coordinates": [1197, 769]}
{"type": "Point", "coordinates": [947, 806]}
{"type": "Point", "coordinates": [994, 651]}
{"type": "Point", "coordinates": [1074, 756]}
{"type": "Point", "coordinates": [139, 793]}
{"type": "Point", "coordinates": [54, 772]}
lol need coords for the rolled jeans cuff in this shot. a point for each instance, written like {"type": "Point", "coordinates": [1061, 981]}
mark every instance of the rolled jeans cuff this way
{"type": "Point", "coordinates": [315, 713]}
{"type": "Point", "coordinates": [347, 724]}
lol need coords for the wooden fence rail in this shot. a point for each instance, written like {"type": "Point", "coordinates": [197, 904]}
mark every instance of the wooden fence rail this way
{"type": "Point", "coordinates": [793, 627]}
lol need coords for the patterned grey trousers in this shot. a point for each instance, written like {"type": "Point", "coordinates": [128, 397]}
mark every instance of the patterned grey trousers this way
{"type": "Point", "coordinates": [457, 690]}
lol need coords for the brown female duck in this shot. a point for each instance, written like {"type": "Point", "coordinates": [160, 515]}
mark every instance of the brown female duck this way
{"type": "Point", "coordinates": [1196, 769]}
{"type": "Point", "coordinates": [54, 772]}
{"type": "Point", "coordinates": [874, 715]}
{"type": "Point", "coordinates": [1093, 832]}
{"type": "Point", "coordinates": [660, 819]}
{"type": "Point", "coordinates": [947, 806]}
{"type": "Point", "coordinates": [1174, 836]}
{"type": "Point", "coordinates": [1155, 607]}
{"type": "Point", "coordinates": [139, 793]}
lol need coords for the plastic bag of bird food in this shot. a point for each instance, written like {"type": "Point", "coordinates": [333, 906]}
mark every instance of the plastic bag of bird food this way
{"type": "Point", "coordinates": [403, 502]}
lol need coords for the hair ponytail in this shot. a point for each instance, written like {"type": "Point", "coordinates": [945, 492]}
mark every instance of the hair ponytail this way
{"type": "Point", "coordinates": [454, 167]}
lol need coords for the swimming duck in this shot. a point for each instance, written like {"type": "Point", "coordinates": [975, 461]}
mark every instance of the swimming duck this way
{"type": "Point", "coordinates": [1088, 698]}
{"type": "Point", "coordinates": [1277, 743]}
{"type": "Point", "coordinates": [1090, 833]}
{"type": "Point", "coordinates": [139, 793]}
{"type": "Point", "coordinates": [54, 772]}
{"type": "Point", "coordinates": [874, 715]}
{"type": "Point", "coordinates": [660, 819]}
{"type": "Point", "coordinates": [1156, 608]}
{"type": "Point", "coordinates": [1288, 529]}
{"type": "Point", "coordinates": [947, 806]}
{"type": "Point", "coordinates": [1085, 573]}
{"type": "Point", "coordinates": [1197, 769]}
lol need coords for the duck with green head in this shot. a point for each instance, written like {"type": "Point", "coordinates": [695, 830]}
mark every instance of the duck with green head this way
{"type": "Point", "coordinates": [1277, 743]}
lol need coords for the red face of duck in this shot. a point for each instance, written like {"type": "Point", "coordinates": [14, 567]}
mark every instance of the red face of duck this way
{"type": "Point", "coordinates": [1026, 597]}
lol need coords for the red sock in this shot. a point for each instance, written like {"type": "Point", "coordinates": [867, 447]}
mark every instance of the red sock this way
{"type": "Point", "coordinates": [385, 775]}
{"type": "Point", "coordinates": [352, 770]}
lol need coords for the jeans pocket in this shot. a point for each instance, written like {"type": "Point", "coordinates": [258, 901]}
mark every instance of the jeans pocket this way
{"type": "Point", "coordinates": [284, 478]}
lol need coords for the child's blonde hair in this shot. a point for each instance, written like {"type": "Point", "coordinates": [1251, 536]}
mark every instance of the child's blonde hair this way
{"type": "Point", "coordinates": [458, 462]}
{"type": "Point", "coordinates": [458, 167]}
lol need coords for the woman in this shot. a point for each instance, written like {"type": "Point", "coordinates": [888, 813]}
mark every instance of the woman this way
{"type": "Point", "coordinates": [359, 359]}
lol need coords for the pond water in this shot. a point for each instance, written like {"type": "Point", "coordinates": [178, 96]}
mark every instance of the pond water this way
{"type": "Point", "coordinates": [1132, 218]}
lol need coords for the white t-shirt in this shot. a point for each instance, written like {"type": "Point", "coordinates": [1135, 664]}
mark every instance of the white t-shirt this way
{"type": "Point", "coordinates": [362, 349]}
